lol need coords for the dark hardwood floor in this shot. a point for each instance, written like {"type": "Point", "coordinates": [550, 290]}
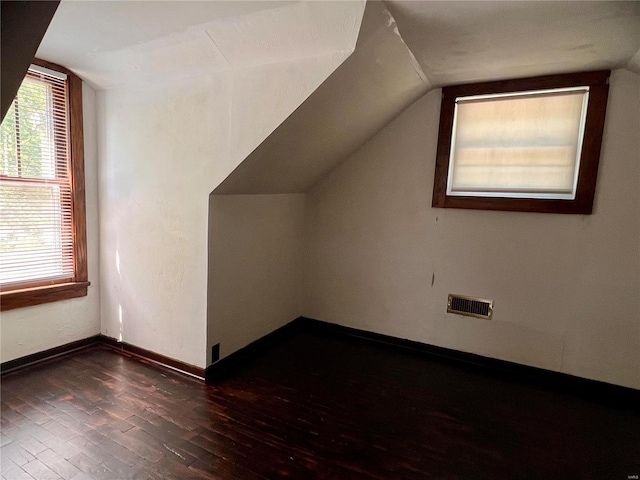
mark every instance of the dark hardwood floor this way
{"type": "Point", "coordinates": [313, 406]}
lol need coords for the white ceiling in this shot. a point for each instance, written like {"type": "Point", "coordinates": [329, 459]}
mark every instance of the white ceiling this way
{"type": "Point", "coordinates": [425, 44]}
{"type": "Point", "coordinates": [370, 88]}
{"type": "Point", "coordinates": [83, 28]}
{"type": "Point", "coordinates": [467, 41]}
{"type": "Point", "coordinates": [453, 41]}
{"type": "Point", "coordinates": [111, 43]}
{"type": "Point", "coordinates": [399, 56]}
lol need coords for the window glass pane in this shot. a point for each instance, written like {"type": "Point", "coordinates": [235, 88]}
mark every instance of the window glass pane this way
{"type": "Point", "coordinates": [35, 129]}
{"type": "Point", "coordinates": [517, 144]}
{"type": "Point", "coordinates": [35, 236]}
{"type": "Point", "coordinates": [8, 144]}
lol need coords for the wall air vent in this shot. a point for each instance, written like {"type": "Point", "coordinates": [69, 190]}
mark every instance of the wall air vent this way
{"type": "Point", "coordinates": [470, 306]}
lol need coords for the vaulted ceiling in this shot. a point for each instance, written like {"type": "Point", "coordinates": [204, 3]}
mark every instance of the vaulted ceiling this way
{"type": "Point", "coordinates": [117, 43]}
{"type": "Point", "coordinates": [462, 41]}
{"type": "Point", "coordinates": [371, 87]}
{"type": "Point", "coordinates": [453, 41]}
{"type": "Point", "coordinates": [404, 48]}
{"type": "Point", "coordinates": [421, 45]}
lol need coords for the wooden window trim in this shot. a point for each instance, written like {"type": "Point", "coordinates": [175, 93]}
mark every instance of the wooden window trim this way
{"type": "Point", "coordinates": [28, 297]}
{"type": "Point", "coordinates": [598, 82]}
{"type": "Point", "coordinates": [37, 293]}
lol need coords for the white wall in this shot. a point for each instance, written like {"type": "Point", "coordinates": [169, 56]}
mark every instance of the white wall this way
{"type": "Point", "coordinates": [164, 147]}
{"type": "Point", "coordinates": [566, 287]}
{"type": "Point", "coordinates": [158, 161]}
{"type": "Point", "coordinates": [255, 259]}
{"type": "Point", "coordinates": [185, 112]}
{"type": "Point", "coordinates": [33, 329]}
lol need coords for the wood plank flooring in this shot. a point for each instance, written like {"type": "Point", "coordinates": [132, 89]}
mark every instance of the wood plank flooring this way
{"type": "Point", "coordinates": [313, 406]}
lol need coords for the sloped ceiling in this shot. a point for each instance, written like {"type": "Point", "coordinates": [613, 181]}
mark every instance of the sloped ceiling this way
{"type": "Point", "coordinates": [462, 41]}
{"type": "Point", "coordinates": [634, 64]}
{"type": "Point", "coordinates": [378, 80]}
{"type": "Point", "coordinates": [446, 43]}
{"type": "Point", "coordinates": [453, 41]}
{"type": "Point", "coordinates": [404, 48]}
{"type": "Point", "coordinates": [119, 43]}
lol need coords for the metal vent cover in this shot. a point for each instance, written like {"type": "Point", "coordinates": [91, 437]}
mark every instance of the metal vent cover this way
{"type": "Point", "coordinates": [470, 306]}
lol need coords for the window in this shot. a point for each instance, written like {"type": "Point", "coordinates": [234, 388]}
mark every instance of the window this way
{"type": "Point", "coordinates": [42, 208]}
{"type": "Point", "coordinates": [530, 144]}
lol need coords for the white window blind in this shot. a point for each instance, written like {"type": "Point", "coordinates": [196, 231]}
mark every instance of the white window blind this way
{"type": "Point", "coordinates": [518, 145]}
{"type": "Point", "coordinates": [36, 226]}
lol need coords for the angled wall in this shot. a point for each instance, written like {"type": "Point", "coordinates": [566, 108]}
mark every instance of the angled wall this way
{"type": "Point", "coordinates": [378, 80]}
{"type": "Point", "coordinates": [566, 287]}
{"type": "Point", "coordinates": [169, 136]}
{"type": "Point", "coordinates": [256, 214]}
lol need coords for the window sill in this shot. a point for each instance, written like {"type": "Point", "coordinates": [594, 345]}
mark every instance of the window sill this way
{"type": "Point", "coordinates": [35, 296]}
{"type": "Point", "coordinates": [581, 205]}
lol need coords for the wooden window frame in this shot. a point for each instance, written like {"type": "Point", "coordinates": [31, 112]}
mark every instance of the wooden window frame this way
{"type": "Point", "coordinates": [36, 293]}
{"type": "Point", "coordinates": [598, 83]}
